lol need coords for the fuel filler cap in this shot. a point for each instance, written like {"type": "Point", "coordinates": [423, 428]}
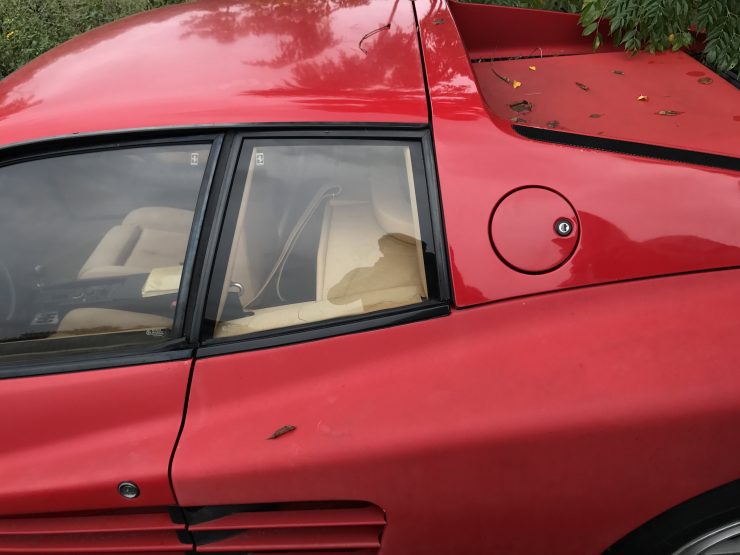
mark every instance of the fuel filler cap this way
{"type": "Point", "coordinates": [534, 229]}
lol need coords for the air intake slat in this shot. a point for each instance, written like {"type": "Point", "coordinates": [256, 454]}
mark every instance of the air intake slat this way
{"type": "Point", "coordinates": [332, 552]}
{"type": "Point", "coordinates": [135, 522]}
{"type": "Point", "coordinates": [301, 528]}
{"type": "Point", "coordinates": [352, 552]}
{"type": "Point", "coordinates": [364, 516]}
{"type": "Point", "coordinates": [124, 542]}
{"type": "Point", "coordinates": [145, 532]}
{"type": "Point", "coordinates": [297, 539]}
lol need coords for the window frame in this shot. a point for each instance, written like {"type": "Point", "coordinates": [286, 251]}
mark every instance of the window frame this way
{"type": "Point", "coordinates": [226, 142]}
{"type": "Point", "coordinates": [437, 272]}
{"type": "Point", "coordinates": [89, 352]}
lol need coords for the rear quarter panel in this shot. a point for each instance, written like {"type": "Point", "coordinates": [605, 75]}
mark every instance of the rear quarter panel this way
{"type": "Point", "coordinates": [551, 424]}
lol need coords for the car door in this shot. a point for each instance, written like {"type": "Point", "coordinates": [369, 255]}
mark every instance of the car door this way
{"type": "Point", "coordinates": [97, 245]}
{"type": "Point", "coordinates": [329, 257]}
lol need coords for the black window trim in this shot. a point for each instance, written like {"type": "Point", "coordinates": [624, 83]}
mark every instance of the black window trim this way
{"type": "Point", "coordinates": [351, 324]}
{"type": "Point", "coordinates": [223, 158]}
{"type": "Point", "coordinates": [89, 357]}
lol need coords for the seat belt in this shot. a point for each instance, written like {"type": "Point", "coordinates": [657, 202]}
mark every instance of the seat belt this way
{"type": "Point", "coordinates": [324, 193]}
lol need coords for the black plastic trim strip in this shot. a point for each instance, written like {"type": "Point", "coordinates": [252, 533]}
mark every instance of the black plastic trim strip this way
{"type": "Point", "coordinates": [437, 218]}
{"type": "Point", "coordinates": [78, 144]}
{"type": "Point", "coordinates": [196, 233]}
{"type": "Point", "coordinates": [174, 131]}
{"type": "Point", "coordinates": [327, 328]}
{"type": "Point", "coordinates": [88, 361]}
{"type": "Point", "coordinates": [628, 147]}
{"type": "Point", "coordinates": [533, 56]}
{"type": "Point", "coordinates": [209, 237]}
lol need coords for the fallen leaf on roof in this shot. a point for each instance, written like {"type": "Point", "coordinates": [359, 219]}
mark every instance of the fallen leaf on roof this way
{"type": "Point", "coordinates": [706, 80]}
{"type": "Point", "coordinates": [516, 84]}
{"type": "Point", "coordinates": [532, 68]}
{"type": "Point", "coordinates": [595, 116]}
{"type": "Point", "coordinates": [281, 431]}
{"type": "Point", "coordinates": [582, 86]}
{"type": "Point", "coordinates": [642, 98]}
{"type": "Point", "coordinates": [553, 124]}
{"type": "Point", "coordinates": [523, 106]}
{"type": "Point", "coordinates": [669, 113]}
{"type": "Point", "coordinates": [618, 72]}
{"type": "Point", "coordinates": [517, 119]}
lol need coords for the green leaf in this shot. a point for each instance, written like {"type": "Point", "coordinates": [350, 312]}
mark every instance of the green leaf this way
{"type": "Point", "coordinates": [590, 28]}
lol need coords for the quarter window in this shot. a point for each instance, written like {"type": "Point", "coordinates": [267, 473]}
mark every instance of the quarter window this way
{"type": "Point", "coordinates": [321, 231]}
{"type": "Point", "coordinates": [93, 244]}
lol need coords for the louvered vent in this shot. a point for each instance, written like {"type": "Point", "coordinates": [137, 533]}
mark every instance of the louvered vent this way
{"type": "Point", "coordinates": [122, 533]}
{"type": "Point", "coordinates": [305, 529]}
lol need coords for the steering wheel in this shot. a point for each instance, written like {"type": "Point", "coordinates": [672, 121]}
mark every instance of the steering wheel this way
{"type": "Point", "coordinates": [7, 294]}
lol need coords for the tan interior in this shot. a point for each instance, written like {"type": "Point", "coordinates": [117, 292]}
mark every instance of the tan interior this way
{"type": "Point", "coordinates": [361, 268]}
{"type": "Point", "coordinates": [105, 320]}
{"type": "Point", "coordinates": [369, 258]}
{"type": "Point", "coordinates": [148, 238]}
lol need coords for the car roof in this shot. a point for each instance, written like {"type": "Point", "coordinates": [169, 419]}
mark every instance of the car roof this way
{"type": "Point", "coordinates": [223, 62]}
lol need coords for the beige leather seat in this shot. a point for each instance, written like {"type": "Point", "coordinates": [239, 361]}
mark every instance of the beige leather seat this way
{"type": "Point", "coordinates": [148, 238]}
{"type": "Point", "coordinates": [362, 266]}
{"type": "Point", "coordinates": [369, 258]}
{"type": "Point", "coordinates": [85, 321]}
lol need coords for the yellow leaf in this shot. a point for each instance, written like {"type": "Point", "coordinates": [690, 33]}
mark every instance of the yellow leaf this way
{"type": "Point", "coordinates": [533, 68]}
{"type": "Point", "coordinates": [10, 35]}
{"type": "Point", "coordinates": [671, 38]}
{"type": "Point", "coordinates": [642, 98]}
{"type": "Point", "coordinates": [516, 84]}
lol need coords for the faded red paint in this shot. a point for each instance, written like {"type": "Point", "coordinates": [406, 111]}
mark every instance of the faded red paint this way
{"type": "Point", "coordinates": [540, 404]}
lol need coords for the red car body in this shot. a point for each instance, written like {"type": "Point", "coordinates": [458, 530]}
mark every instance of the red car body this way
{"type": "Point", "coordinates": [574, 388]}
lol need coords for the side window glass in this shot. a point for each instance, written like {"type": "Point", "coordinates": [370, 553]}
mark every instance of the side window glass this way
{"type": "Point", "coordinates": [322, 231]}
{"type": "Point", "coordinates": [93, 244]}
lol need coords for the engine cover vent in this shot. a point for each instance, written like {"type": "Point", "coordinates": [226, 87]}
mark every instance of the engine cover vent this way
{"type": "Point", "coordinates": [300, 528]}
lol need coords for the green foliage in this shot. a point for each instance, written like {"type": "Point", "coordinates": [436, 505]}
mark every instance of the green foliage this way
{"type": "Point", "coordinates": [29, 28]}
{"type": "Point", "coordinates": [657, 25]}
{"type": "Point", "coordinates": [557, 5]}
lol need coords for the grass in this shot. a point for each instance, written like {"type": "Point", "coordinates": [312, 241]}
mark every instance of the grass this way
{"type": "Point", "coordinates": [28, 28]}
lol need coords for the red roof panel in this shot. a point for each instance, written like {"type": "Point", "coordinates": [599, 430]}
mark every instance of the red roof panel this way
{"type": "Point", "coordinates": [223, 62]}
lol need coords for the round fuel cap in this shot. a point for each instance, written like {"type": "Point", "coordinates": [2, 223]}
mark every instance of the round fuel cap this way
{"type": "Point", "coordinates": [534, 229]}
